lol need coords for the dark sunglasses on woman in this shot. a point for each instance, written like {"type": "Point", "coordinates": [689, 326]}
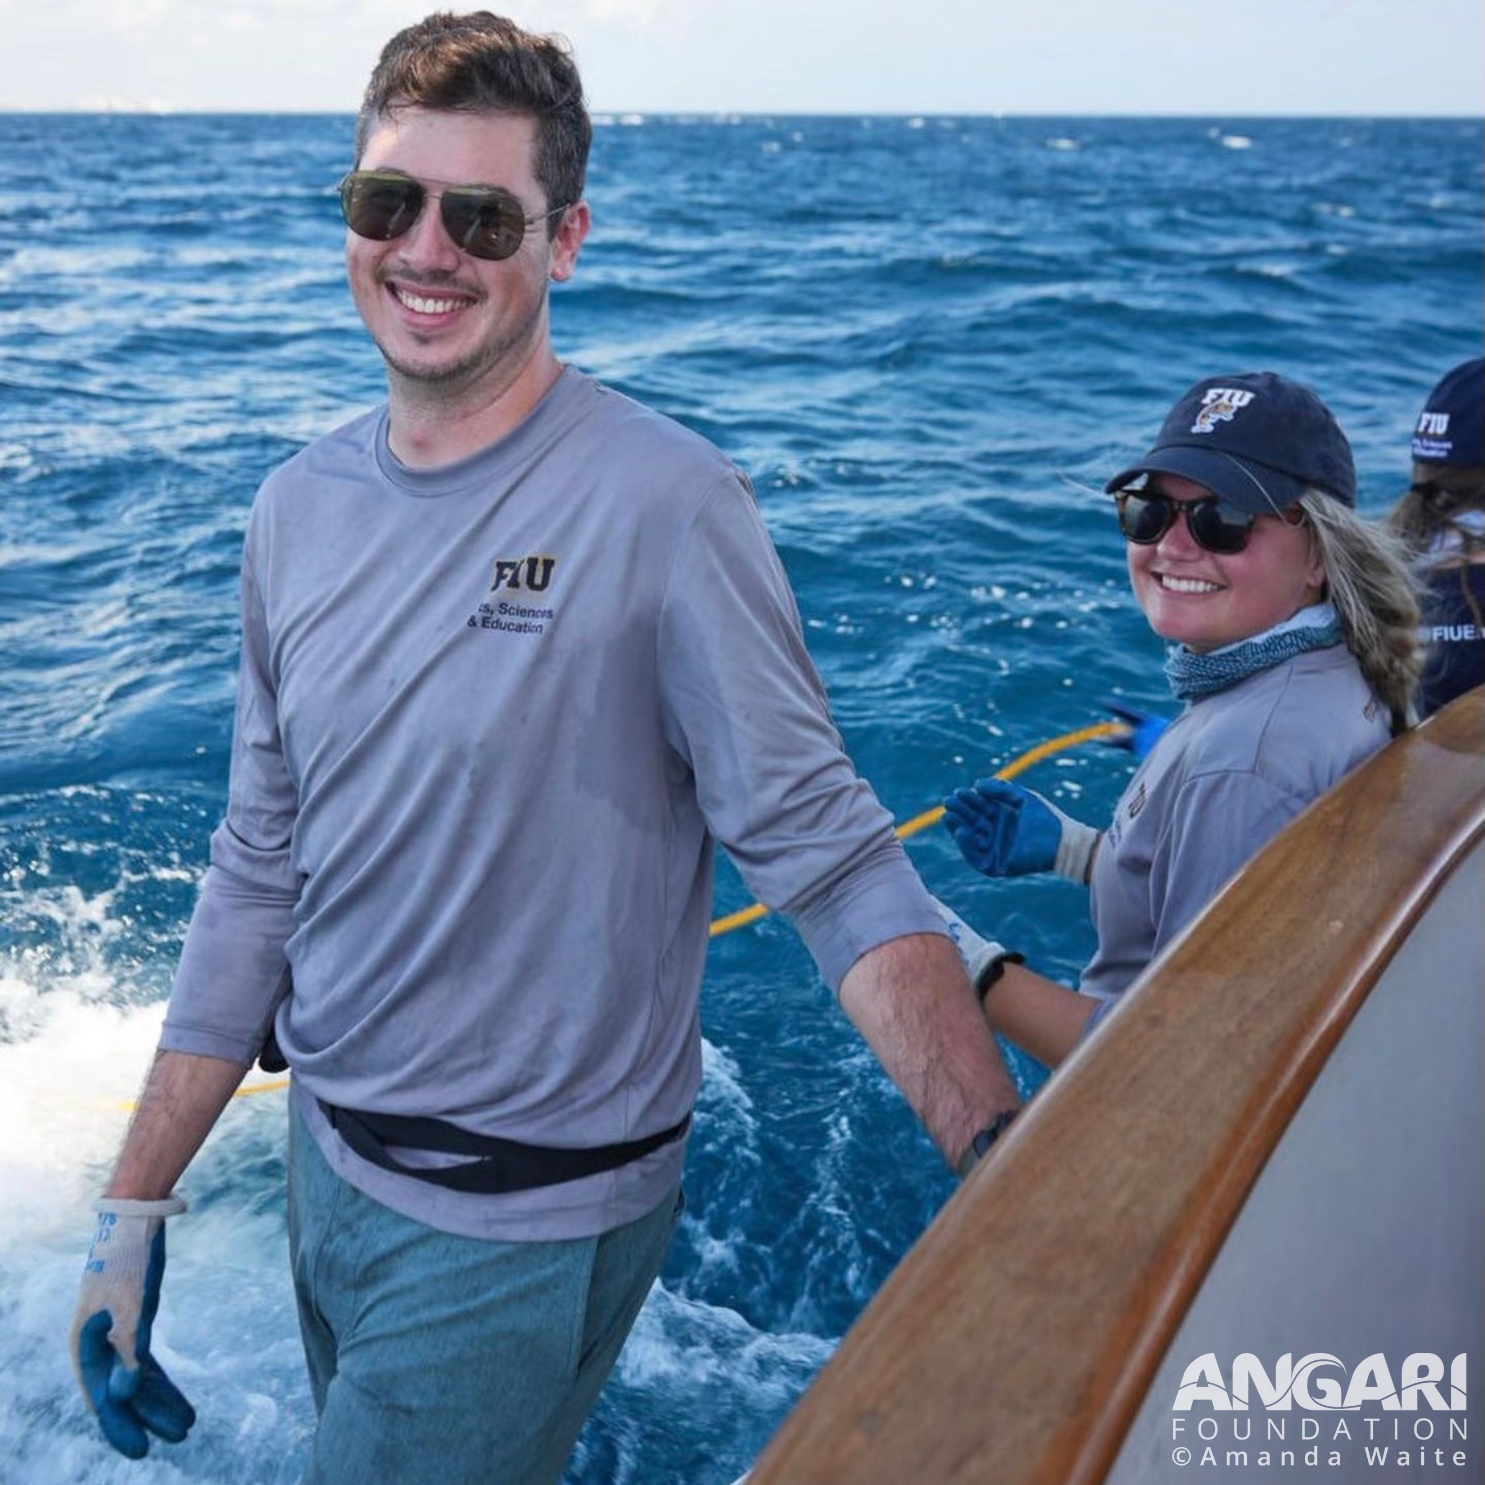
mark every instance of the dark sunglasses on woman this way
{"type": "Point", "coordinates": [1215, 524]}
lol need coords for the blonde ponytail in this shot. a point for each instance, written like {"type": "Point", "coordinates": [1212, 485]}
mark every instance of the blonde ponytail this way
{"type": "Point", "coordinates": [1372, 590]}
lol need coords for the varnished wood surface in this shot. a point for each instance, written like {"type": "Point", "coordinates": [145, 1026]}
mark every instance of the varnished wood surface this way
{"type": "Point", "coordinates": [1015, 1341]}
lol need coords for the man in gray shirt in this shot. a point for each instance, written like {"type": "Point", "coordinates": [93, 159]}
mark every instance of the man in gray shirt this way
{"type": "Point", "coordinates": [516, 651]}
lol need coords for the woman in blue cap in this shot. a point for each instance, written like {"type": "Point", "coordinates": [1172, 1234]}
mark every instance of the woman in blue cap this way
{"type": "Point", "coordinates": [1442, 519]}
{"type": "Point", "coordinates": [1292, 632]}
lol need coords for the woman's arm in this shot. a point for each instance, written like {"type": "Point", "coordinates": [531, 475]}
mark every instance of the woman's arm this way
{"type": "Point", "coordinates": [1037, 1014]}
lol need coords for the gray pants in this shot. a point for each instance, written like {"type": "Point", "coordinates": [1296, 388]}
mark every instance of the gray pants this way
{"type": "Point", "coordinates": [438, 1357]}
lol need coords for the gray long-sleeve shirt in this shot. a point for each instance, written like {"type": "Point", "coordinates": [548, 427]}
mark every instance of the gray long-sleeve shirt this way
{"type": "Point", "coordinates": [490, 718]}
{"type": "Point", "coordinates": [1229, 773]}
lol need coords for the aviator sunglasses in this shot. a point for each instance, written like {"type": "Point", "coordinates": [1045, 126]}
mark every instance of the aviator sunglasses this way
{"type": "Point", "coordinates": [485, 221]}
{"type": "Point", "coordinates": [1215, 525]}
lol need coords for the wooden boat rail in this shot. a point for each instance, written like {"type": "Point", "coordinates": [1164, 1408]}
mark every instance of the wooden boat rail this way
{"type": "Point", "coordinates": [1015, 1342]}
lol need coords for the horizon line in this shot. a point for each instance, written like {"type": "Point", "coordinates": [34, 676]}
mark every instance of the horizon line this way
{"type": "Point", "coordinates": [151, 109]}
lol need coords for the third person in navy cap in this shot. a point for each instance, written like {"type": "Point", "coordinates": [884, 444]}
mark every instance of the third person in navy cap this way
{"type": "Point", "coordinates": [1442, 518]}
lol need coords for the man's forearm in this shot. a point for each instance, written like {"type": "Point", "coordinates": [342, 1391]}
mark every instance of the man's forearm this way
{"type": "Point", "coordinates": [910, 1000]}
{"type": "Point", "coordinates": [182, 1100]}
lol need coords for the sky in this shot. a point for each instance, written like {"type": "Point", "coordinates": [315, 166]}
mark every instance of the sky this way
{"type": "Point", "coordinates": [1230, 58]}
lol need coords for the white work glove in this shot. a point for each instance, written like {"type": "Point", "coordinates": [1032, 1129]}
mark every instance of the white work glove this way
{"type": "Point", "coordinates": [120, 1293]}
{"type": "Point", "coordinates": [983, 958]}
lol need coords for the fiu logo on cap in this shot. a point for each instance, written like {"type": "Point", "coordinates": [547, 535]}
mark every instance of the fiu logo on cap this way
{"type": "Point", "coordinates": [1433, 425]}
{"type": "Point", "coordinates": [518, 574]}
{"type": "Point", "coordinates": [1220, 405]}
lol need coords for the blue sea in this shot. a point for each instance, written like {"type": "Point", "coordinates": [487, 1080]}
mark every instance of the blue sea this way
{"type": "Point", "coordinates": [929, 341]}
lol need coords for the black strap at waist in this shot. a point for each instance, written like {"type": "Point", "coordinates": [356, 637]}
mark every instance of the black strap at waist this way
{"type": "Point", "coordinates": [497, 1165]}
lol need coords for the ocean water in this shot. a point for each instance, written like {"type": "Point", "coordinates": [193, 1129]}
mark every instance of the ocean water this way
{"type": "Point", "coordinates": [928, 340]}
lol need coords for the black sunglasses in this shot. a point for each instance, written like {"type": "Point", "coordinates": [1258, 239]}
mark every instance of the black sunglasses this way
{"type": "Point", "coordinates": [485, 221]}
{"type": "Point", "coordinates": [1215, 524]}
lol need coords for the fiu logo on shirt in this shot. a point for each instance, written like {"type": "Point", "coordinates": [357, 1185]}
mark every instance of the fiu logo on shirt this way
{"type": "Point", "coordinates": [517, 574]}
{"type": "Point", "coordinates": [514, 580]}
{"type": "Point", "coordinates": [1220, 405]}
{"type": "Point", "coordinates": [1137, 803]}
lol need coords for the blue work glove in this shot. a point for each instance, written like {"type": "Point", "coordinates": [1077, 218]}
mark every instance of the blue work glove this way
{"type": "Point", "coordinates": [1004, 830]}
{"type": "Point", "coordinates": [122, 1383]}
{"type": "Point", "coordinates": [1144, 729]}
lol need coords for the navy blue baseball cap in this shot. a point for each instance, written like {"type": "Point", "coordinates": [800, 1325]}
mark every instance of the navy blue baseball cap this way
{"type": "Point", "coordinates": [1255, 439]}
{"type": "Point", "coordinates": [1448, 429]}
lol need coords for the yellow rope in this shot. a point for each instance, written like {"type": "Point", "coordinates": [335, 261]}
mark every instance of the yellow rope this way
{"type": "Point", "coordinates": [752, 914]}
{"type": "Point", "coordinates": [933, 816]}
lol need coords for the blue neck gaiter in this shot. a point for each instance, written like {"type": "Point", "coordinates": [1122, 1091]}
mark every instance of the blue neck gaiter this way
{"type": "Point", "coordinates": [1192, 675]}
